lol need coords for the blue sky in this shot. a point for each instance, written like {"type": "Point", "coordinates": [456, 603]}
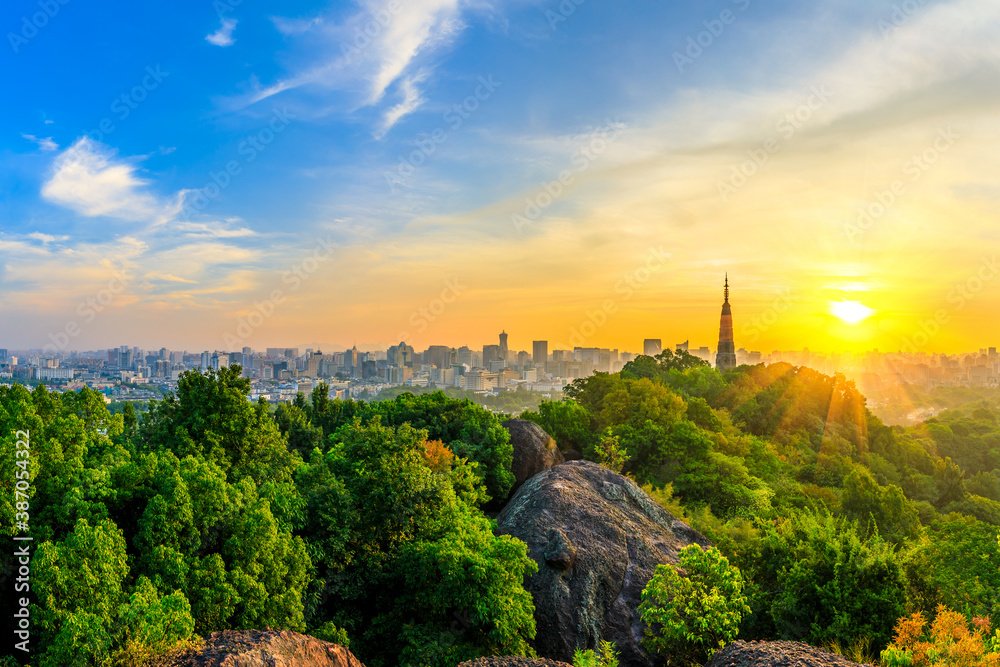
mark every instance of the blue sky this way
{"type": "Point", "coordinates": [350, 151]}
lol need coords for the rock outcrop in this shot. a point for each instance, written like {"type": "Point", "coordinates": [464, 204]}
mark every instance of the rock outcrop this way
{"type": "Point", "coordinates": [597, 539]}
{"type": "Point", "coordinates": [534, 450]}
{"type": "Point", "coordinates": [512, 661]}
{"type": "Point", "coordinates": [776, 654]}
{"type": "Point", "coordinates": [255, 648]}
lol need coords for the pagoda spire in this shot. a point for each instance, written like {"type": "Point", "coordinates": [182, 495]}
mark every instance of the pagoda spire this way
{"type": "Point", "coordinates": [725, 358]}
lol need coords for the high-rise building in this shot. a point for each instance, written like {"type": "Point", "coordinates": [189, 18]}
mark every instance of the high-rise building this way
{"type": "Point", "coordinates": [540, 352]}
{"type": "Point", "coordinates": [351, 360]}
{"type": "Point", "coordinates": [440, 356]}
{"type": "Point", "coordinates": [652, 347]}
{"type": "Point", "coordinates": [503, 346]}
{"type": "Point", "coordinates": [491, 353]}
{"type": "Point", "coordinates": [312, 364]}
{"type": "Point", "coordinates": [400, 355]}
{"type": "Point", "coordinates": [725, 358]}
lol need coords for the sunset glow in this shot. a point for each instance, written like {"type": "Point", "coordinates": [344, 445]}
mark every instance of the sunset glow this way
{"type": "Point", "coordinates": [852, 312]}
{"type": "Point", "coordinates": [245, 159]}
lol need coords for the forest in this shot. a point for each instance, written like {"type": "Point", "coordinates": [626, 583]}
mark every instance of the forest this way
{"type": "Point", "coordinates": [368, 523]}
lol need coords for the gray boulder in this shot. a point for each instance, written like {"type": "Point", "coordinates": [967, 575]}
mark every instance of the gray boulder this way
{"type": "Point", "coordinates": [508, 661]}
{"type": "Point", "coordinates": [597, 539]}
{"type": "Point", "coordinates": [534, 450]}
{"type": "Point", "coordinates": [776, 654]}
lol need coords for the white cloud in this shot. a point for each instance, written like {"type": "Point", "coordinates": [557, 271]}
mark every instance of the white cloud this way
{"type": "Point", "coordinates": [88, 179]}
{"type": "Point", "coordinates": [417, 28]}
{"type": "Point", "coordinates": [385, 44]}
{"type": "Point", "coordinates": [46, 238]}
{"type": "Point", "coordinates": [412, 100]}
{"type": "Point", "coordinates": [212, 229]}
{"type": "Point", "coordinates": [45, 143]}
{"type": "Point", "coordinates": [224, 35]}
{"type": "Point", "coordinates": [295, 26]}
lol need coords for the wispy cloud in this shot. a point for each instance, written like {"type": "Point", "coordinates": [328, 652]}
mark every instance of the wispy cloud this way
{"type": "Point", "coordinates": [45, 143]}
{"type": "Point", "coordinates": [212, 229]}
{"type": "Point", "coordinates": [224, 35]}
{"type": "Point", "coordinates": [386, 44]}
{"type": "Point", "coordinates": [412, 100]}
{"type": "Point", "coordinates": [46, 238]}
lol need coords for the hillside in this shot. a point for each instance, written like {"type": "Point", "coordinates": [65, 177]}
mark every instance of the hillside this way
{"type": "Point", "coordinates": [363, 524]}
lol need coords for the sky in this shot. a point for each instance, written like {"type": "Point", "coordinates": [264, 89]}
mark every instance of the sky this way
{"type": "Point", "coordinates": [213, 175]}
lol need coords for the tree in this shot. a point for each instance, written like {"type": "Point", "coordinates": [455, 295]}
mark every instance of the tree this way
{"type": "Point", "coordinates": [955, 564]}
{"type": "Point", "coordinates": [402, 553]}
{"type": "Point", "coordinates": [691, 616]}
{"type": "Point", "coordinates": [567, 422]}
{"type": "Point", "coordinates": [816, 580]}
{"type": "Point", "coordinates": [469, 431]}
{"type": "Point", "coordinates": [79, 587]}
{"type": "Point", "coordinates": [864, 501]}
{"type": "Point", "coordinates": [149, 625]}
{"type": "Point", "coordinates": [211, 418]}
{"type": "Point", "coordinates": [611, 454]}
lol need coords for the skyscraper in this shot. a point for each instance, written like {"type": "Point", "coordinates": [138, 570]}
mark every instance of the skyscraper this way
{"type": "Point", "coordinates": [725, 358]}
{"type": "Point", "coordinates": [503, 347]}
{"type": "Point", "coordinates": [652, 347]}
{"type": "Point", "coordinates": [540, 352]}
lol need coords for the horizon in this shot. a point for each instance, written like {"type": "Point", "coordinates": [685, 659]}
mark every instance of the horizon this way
{"type": "Point", "coordinates": [429, 182]}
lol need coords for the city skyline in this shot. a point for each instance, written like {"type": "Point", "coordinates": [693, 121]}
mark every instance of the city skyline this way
{"type": "Point", "coordinates": [363, 170]}
{"type": "Point", "coordinates": [850, 314]}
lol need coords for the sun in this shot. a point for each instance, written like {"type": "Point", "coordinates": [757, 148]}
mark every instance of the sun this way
{"type": "Point", "coordinates": [851, 312]}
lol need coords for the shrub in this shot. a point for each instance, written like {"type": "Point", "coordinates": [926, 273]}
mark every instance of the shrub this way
{"type": "Point", "coordinates": [605, 656]}
{"type": "Point", "coordinates": [951, 641]}
{"type": "Point", "coordinates": [690, 617]}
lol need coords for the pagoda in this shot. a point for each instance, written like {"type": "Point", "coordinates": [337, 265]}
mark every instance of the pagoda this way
{"type": "Point", "coordinates": [725, 359]}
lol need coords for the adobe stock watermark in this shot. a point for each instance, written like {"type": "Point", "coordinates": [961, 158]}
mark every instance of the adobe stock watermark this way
{"type": "Point", "coordinates": [914, 168]}
{"type": "Point", "coordinates": [223, 7]}
{"type": "Point", "coordinates": [566, 8]}
{"type": "Point", "coordinates": [581, 162]}
{"type": "Point", "coordinates": [21, 503]}
{"type": "Point", "coordinates": [428, 144]}
{"type": "Point", "coordinates": [959, 296]}
{"type": "Point", "coordinates": [424, 316]}
{"type": "Point", "coordinates": [365, 36]}
{"type": "Point", "coordinates": [901, 13]}
{"type": "Point", "coordinates": [786, 128]}
{"type": "Point", "coordinates": [294, 277]}
{"type": "Point", "coordinates": [88, 310]}
{"type": "Point", "coordinates": [769, 316]}
{"type": "Point", "coordinates": [626, 288]}
{"type": "Point", "coordinates": [699, 43]}
{"type": "Point", "coordinates": [249, 148]}
{"type": "Point", "coordinates": [30, 25]}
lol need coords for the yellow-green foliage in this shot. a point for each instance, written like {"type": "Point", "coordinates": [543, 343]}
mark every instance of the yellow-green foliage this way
{"type": "Point", "coordinates": [605, 656]}
{"type": "Point", "coordinates": [691, 616]}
